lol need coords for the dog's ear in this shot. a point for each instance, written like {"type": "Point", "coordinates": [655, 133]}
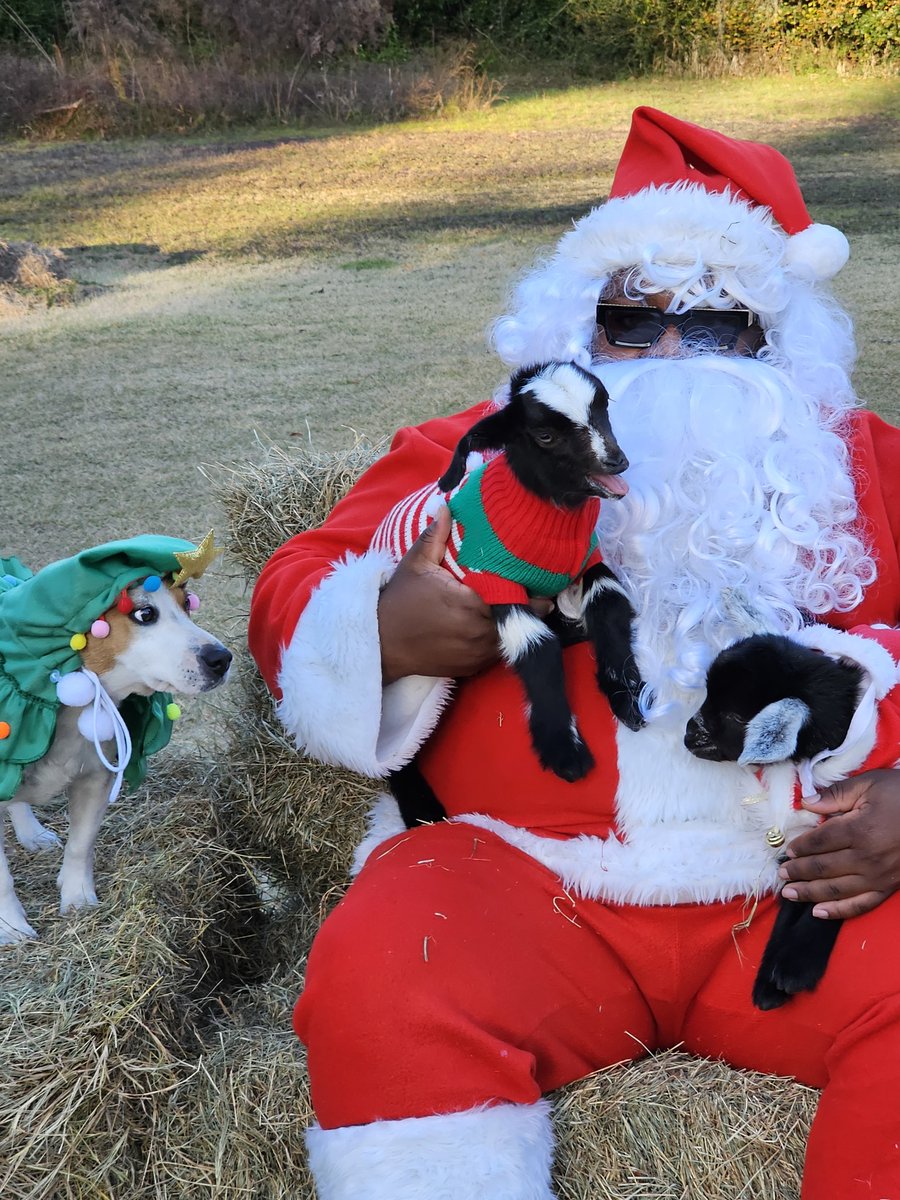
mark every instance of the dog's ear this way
{"type": "Point", "coordinates": [490, 433]}
{"type": "Point", "coordinates": [772, 734]}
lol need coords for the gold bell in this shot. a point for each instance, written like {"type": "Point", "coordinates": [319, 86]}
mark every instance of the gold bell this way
{"type": "Point", "coordinates": [774, 837]}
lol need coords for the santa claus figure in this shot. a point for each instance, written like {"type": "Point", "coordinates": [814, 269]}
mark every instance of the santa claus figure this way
{"type": "Point", "coordinates": [547, 929]}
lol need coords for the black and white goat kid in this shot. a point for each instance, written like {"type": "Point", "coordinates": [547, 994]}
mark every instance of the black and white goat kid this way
{"type": "Point", "coordinates": [556, 441]}
{"type": "Point", "coordinates": [771, 700]}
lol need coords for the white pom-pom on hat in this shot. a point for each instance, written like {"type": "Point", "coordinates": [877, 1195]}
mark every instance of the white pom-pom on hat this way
{"type": "Point", "coordinates": [817, 252]}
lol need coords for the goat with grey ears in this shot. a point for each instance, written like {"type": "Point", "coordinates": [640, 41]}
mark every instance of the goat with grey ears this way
{"type": "Point", "coordinates": [771, 700]}
{"type": "Point", "coordinates": [554, 441]}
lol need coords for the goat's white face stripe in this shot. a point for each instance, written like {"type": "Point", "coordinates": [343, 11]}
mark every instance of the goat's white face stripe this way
{"type": "Point", "coordinates": [519, 632]}
{"type": "Point", "coordinates": [566, 391]}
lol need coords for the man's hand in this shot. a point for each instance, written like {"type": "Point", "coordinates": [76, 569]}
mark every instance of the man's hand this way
{"type": "Point", "coordinates": [851, 862]}
{"type": "Point", "coordinates": [429, 622]}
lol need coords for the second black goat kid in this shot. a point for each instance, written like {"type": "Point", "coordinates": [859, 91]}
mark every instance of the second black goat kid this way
{"type": "Point", "coordinates": [771, 700]}
{"type": "Point", "coordinates": [524, 525]}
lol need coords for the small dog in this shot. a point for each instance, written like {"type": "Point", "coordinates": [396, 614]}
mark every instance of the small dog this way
{"type": "Point", "coordinates": [80, 731]}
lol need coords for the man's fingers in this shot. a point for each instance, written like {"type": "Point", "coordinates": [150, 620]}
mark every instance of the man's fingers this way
{"type": "Point", "coordinates": [831, 836]}
{"type": "Point", "coordinates": [820, 866]}
{"type": "Point", "coordinates": [826, 891]}
{"type": "Point", "coordinates": [855, 906]}
{"type": "Point", "coordinates": [431, 543]}
{"type": "Point", "coordinates": [840, 797]}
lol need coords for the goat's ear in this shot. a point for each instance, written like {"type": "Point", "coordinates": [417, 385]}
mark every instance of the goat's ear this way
{"type": "Point", "coordinates": [490, 433]}
{"type": "Point", "coordinates": [772, 734]}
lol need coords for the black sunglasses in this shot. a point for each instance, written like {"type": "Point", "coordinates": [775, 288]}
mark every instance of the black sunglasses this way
{"type": "Point", "coordinates": [638, 327]}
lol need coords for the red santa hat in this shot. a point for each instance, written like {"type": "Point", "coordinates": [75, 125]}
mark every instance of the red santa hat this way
{"type": "Point", "coordinates": [662, 150]}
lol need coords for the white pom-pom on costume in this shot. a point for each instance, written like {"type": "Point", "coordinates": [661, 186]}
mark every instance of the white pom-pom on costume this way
{"type": "Point", "coordinates": [75, 690]}
{"type": "Point", "coordinates": [817, 252]}
{"type": "Point", "coordinates": [95, 723]}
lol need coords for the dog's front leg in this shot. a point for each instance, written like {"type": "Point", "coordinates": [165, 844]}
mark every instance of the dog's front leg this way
{"type": "Point", "coordinates": [14, 926]}
{"type": "Point", "coordinates": [88, 799]}
{"type": "Point", "coordinates": [30, 833]}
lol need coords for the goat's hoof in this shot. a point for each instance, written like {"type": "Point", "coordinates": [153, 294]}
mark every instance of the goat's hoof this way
{"type": "Point", "coordinates": [571, 761]}
{"type": "Point", "coordinates": [767, 995]}
{"type": "Point", "coordinates": [625, 709]}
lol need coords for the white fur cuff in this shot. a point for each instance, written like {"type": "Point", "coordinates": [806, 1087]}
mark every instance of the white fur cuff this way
{"type": "Point", "coordinates": [874, 659]}
{"type": "Point", "coordinates": [500, 1153]}
{"type": "Point", "coordinates": [332, 698]}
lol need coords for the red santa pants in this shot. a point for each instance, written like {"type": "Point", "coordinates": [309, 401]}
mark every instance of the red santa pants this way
{"type": "Point", "coordinates": [458, 972]}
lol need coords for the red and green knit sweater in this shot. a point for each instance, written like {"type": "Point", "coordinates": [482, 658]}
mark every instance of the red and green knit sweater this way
{"type": "Point", "coordinates": [505, 543]}
{"type": "Point", "coordinates": [512, 544]}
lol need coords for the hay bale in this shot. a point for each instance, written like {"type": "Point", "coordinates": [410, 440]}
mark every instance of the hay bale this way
{"type": "Point", "coordinates": [304, 817]}
{"type": "Point", "coordinates": [307, 817]}
{"type": "Point", "coordinates": [674, 1126]}
{"type": "Point", "coordinates": [234, 1128]}
{"type": "Point", "coordinates": [668, 1127]}
{"type": "Point", "coordinates": [104, 1013]}
{"type": "Point", "coordinates": [33, 275]}
{"type": "Point", "coordinates": [284, 494]}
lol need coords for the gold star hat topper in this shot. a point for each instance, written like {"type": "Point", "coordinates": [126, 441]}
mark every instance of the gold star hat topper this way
{"type": "Point", "coordinates": [194, 562]}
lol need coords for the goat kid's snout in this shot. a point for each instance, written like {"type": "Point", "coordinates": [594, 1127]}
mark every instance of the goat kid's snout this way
{"type": "Point", "coordinates": [698, 741]}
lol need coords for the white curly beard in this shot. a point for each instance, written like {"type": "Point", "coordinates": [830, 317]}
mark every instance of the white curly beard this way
{"type": "Point", "coordinates": [738, 484]}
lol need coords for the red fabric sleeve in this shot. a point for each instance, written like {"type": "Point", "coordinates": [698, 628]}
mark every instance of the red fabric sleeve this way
{"type": "Point", "coordinates": [417, 456]}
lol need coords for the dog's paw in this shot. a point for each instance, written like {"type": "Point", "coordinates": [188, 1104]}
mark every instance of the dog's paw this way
{"type": "Point", "coordinates": [39, 838]}
{"type": "Point", "coordinates": [75, 893]}
{"type": "Point", "coordinates": [14, 927]}
{"type": "Point", "coordinates": [30, 833]}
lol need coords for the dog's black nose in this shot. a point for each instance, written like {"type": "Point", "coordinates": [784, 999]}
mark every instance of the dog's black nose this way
{"type": "Point", "coordinates": [216, 660]}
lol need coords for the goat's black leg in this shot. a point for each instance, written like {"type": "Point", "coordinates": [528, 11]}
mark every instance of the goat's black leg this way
{"type": "Point", "coordinates": [609, 619]}
{"type": "Point", "coordinates": [795, 956]}
{"type": "Point", "coordinates": [535, 654]}
{"type": "Point", "coordinates": [417, 802]}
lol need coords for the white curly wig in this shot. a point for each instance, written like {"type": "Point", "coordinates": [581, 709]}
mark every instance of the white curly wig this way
{"type": "Point", "coordinates": [710, 249]}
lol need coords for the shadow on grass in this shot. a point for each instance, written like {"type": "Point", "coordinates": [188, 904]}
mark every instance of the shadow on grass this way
{"type": "Point", "coordinates": [847, 171]}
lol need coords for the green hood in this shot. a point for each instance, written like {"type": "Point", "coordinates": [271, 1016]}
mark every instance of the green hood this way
{"type": "Point", "coordinates": [39, 614]}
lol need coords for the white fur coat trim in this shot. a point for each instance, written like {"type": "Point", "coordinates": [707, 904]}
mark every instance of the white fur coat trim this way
{"type": "Point", "coordinates": [333, 702]}
{"type": "Point", "coordinates": [689, 225]}
{"type": "Point", "coordinates": [874, 659]}
{"type": "Point", "coordinates": [499, 1153]}
{"type": "Point", "coordinates": [881, 676]}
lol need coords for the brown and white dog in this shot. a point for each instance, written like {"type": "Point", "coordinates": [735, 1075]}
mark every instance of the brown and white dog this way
{"type": "Point", "coordinates": [156, 647]}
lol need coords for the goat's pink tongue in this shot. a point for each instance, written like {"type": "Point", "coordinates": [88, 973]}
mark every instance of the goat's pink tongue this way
{"type": "Point", "coordinates": [613, 483]}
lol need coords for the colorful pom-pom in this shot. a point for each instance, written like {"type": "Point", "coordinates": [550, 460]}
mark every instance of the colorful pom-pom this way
{"type": "Point", "coordinates": [173, 712]}
{"type": "Point", "coordinates": [124, 604]}
{"type": "Point", "coordinates": [100, 628]}
{"type": "Point", "coordinates": [99, 723]}
{"type": "Point", "coordinates": [193, 602]}
{"type": "Point", "coordinates": [75, 690]}
{"type": "Point", "coordinates": [5, 730]}
{"type": "Point", "coordinates": [78, 641]}
{"type": "Point", "coordinates": [152, 583]}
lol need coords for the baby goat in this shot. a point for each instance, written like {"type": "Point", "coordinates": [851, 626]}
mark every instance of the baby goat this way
{"type": "Point", "coordinates": [771, 700]}
{"type": "Point", "coordinates": [523, 525]}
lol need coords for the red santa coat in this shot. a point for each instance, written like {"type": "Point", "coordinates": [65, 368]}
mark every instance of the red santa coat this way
{"type": "Point", "coordinates": [635, 791]}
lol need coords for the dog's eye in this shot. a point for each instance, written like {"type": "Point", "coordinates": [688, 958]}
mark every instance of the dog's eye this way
{"type": "Point", "coordinates": [145, 616]}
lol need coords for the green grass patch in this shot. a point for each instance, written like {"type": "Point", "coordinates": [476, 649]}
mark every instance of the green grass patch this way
{"type": "Point", "coordinates": [368, 264]}
{"type": "Point", "coordinates": [533, 163]}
